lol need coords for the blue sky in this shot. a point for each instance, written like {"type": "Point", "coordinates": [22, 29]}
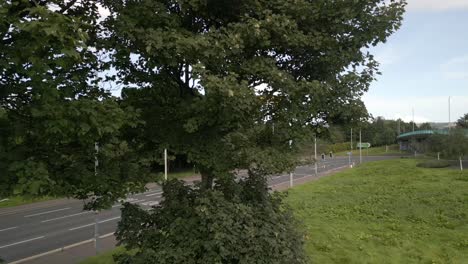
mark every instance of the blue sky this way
{"type": "Point", "coordinates": [423, 63]}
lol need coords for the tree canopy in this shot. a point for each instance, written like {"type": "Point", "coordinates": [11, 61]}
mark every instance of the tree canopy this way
{"type": "Point", "coordinates": [228, 84]}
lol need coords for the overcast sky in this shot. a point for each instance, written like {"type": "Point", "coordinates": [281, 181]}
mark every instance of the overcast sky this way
{"type": "Point", "coordinates": [423, 64]}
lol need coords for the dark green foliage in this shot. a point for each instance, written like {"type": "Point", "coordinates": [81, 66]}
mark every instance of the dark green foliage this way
{"type": "Point", "coordinates": [434, 164]}
{"type": "Point", "coordinates": [244, 224]}
{"type": "Point", "coordinates": [451, 146]}
{"type": "Point", "coordinates": [52, 111]}
{"type": "Point", "coordinates": [462, 122]}
{"type": "Point", "coordinates": [424, 126]}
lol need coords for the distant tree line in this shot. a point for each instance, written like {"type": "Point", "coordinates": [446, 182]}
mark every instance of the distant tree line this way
{"type": "Point", "coordinates": [452, 146]}
{"type": "Point", "coordinates": [377, 131]}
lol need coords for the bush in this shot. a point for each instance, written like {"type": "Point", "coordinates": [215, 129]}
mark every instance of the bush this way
{"type": "Point", "coordinates": [243, 225]}
{"type": "Point", "coordinates": [434, 164]}
{"type": "Point", "coordinates": [338, 147]}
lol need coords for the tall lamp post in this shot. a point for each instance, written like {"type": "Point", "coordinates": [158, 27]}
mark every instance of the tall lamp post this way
{"type": "Point", "coordinates": [96, 213]}
{"type": "Point", "coordinates": [360, 147]}
{"type": "Point", "coordinates": [315, 154]}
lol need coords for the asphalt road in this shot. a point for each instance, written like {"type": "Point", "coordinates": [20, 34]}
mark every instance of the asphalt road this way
{"type": "Point", "coordinates": [34, 230]}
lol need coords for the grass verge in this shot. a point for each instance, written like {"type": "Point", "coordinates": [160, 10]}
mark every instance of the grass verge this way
{"type": "Point", "coordinates": [375, 151]}
{"type": "Point", "coordinates": [104, 258]}
{"type": "Point", "coordinates": [20, 200]}
{"type": "Point", "coordinates": [385, 212]}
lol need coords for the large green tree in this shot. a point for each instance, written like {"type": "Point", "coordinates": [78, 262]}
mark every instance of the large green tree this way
{"type": "Point", "coordinates": [52, 111]}
{"type": "Point", "coordinates": [235, 85]}
{"type": "Point", "coordinates": [229, 83]}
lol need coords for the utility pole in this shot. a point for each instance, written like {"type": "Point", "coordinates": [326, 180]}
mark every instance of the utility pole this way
{"type": "Point", "coordinates": [360, 147]}
{"type": "Point", "coordinates": [315, 155]}
{"type": "Point", "coordinates": [291, 179]}
{"type": "Point", "coordinates": [461, 164]}
{"type": "Point", "coordinates": [351, 139]}
{"type": "Point", "coordinates": [165, 164]}
{"type": "Point", "coordinates": [413, 119]}
{"type": "Point", "coordinates": [96, 213]}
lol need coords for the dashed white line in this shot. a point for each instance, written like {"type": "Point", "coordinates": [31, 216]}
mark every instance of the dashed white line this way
{"type": "Point", "coordinates": [79, 227]}
{"type": "Point", "coordinates": [153, 194]}
{"type": "Point", "coordinates": [21, 242]}
{"type": "Point", "coordinates": [110, 219]}
{"type": "Point", "coordinates": [137, 201]}
{"type": "Point", "coordinates": [150, 203]}
{"type": "Point", "coordinates": [100, 222]}
{"type": "Point", "coordinates": [10, 228]}
{"type": "Point", "coordinates": [48, 212]}
{"type": "Point", "coordinates": [66, 216]}
{"type": "Point", "coordinates": [152, 191]}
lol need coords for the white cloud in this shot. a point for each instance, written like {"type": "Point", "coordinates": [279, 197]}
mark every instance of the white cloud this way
{"type": "Point", "coordinates": [436, 5]}
{"type": "Point", "coordinates": [455, 68]}
{"type": "Point", "coordinates": [426, 109]}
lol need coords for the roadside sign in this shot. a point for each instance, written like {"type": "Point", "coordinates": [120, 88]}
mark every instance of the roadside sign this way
{"type": "Point", "coordinates": [363, 145]}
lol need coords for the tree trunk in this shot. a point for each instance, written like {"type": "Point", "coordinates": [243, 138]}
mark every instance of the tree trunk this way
{"type": "Point", "coordinates": [207, 178]}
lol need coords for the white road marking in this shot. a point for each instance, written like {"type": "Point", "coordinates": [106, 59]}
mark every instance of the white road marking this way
{"type": "Point", "coordinates": [100, 222]}
{"type": "Point", "coordinates": [110, 219]}
{"type": "Point", "coordinates": [59, 249]}
{"type": "Point", "coordinates": [21, 242]}
{"type": "Point", "coordinates": [128, 200]}
{"type": "Point", "coordinates": [48, 212]}
{"type": "Point", "coordinates": [117, 205]}
{"type": "Point", "coordinates": [66, 216]}
{"type": "Point", "coordinates": [150, 203]}
{"type": "Point", "coordinates": [152, 191]}
{"type": "Point", "coordinates": [10, 228]}
{"type": "Point", "coordinates": [153, 194]}
{"type": "Point", "coordinates": [79, 227]}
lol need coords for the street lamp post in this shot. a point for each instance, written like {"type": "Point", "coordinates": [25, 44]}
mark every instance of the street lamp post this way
{"type": "Point", "coordinates": [315, 155]}
{"type": "Point", "coordinates": [96, 213]}
{"type": "Point", "coordinates": [291, 177]}
{"type": "Point", "coordinates": [360, 147]}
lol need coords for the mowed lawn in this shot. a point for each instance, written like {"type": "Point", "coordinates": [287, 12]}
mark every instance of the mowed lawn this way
{"type": "Point", "coordinates": [385, 212]}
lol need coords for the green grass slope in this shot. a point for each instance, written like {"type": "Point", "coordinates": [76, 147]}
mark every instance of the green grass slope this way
{"type": "Point", "coordinates": [386, 212]}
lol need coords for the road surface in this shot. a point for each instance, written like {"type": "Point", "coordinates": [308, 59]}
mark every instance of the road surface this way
{"type": "Point", "coordinates": [33, 230]}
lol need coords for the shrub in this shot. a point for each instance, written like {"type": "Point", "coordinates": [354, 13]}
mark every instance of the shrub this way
{"type": "Point", "coordinates": [242, 226]}
{"type": "Point", "coordinates": [434, 164]}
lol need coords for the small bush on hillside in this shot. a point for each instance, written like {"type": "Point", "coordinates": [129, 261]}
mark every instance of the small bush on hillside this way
{"type": "Point", "coordinates": [434, 164]}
